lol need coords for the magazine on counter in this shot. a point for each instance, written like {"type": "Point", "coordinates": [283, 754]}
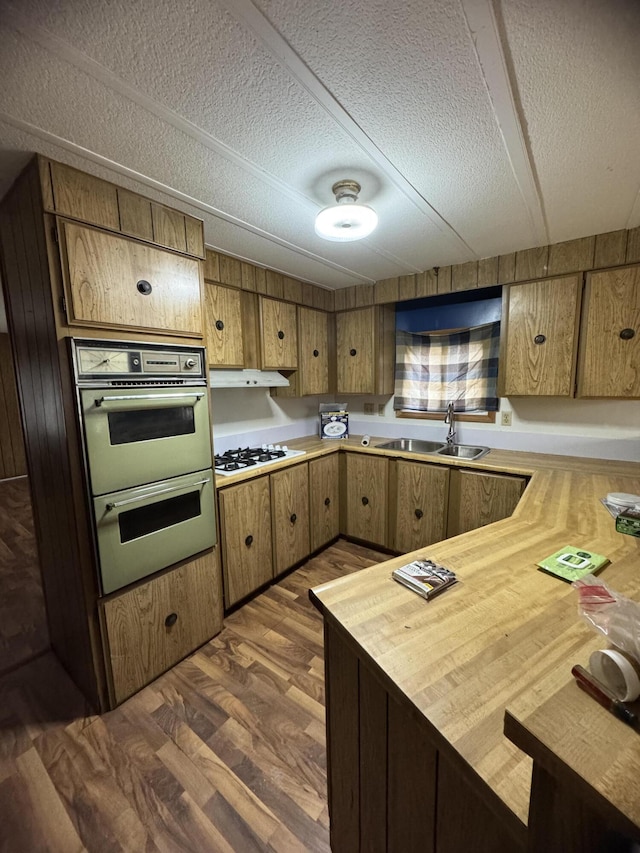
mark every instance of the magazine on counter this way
{"type": "Point", "coordinates": [424, 577]}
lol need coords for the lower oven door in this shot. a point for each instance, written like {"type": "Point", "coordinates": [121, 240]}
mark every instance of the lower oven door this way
{"type": "Point", "coordinates": [141, 435]}
{"type": "Point", "coordinates": [142, 530]}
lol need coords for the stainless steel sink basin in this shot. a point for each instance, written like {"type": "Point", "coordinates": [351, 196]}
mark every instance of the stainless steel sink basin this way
{"type": "Point", "coordinates": [413, 445]}
{"type": "Point", "coordinates": [463, 451]}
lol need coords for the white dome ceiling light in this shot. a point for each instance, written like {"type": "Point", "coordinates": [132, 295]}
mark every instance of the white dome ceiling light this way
{"type": "Point", "coordinates": [346, 220]}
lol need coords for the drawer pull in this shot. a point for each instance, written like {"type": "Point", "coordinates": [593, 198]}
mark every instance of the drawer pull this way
{"type": "Point", "coordinates": [171, 620]}
{"type": "Point", "coordinates": [327, 501]}
{"type": "Point", "coordinates": [144, 287]}
{"type": "Point", "coordinates": [281, 334]}
{"type": "Point", "coordinates": [539, 339]}
{"type": "Point", "coordinates": [365, 501]}
{"type": "Point", "coordinates": [219, 325]}
{"type": "Point", "coordinates": [249, 541]}
{"type": "Point", "coordinates": [627, 334]}
{"type": "Point", "coordinates": [315, 353]}
{"type": "Point", "coordinates": [293, 518]}
{"type": "Point", "coordinates": [419, 513]}
{"type": "Point", "coordinates": [352, 352]}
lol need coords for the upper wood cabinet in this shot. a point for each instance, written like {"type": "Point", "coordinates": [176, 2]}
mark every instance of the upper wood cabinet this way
{"type": "Point", "coordinates": [279, 334]}
{"type": "Point", "coordinates": [365, 356]}
{"type": "Point", "coordinates": [324, 500]}
{"type": "Point", "coordinates": [477, 498]}
{"type": "Point", "coordinates": [69, 192]}
{"type": "Point", "coordinates": [364, 497]}
{"type": "Point", "coordinates": [290, 516]}
{"type": "Point", "coordinates": [245, 530]}
{"type": "Point", "coordinates": [223, 326]}
{"type": "Point", "coordinates": [419, 495]}
{"type": "Point", "coordinates": [539, 337]}
{"type": "Point", "coordinates": [113, 282]}
{"type": "Point", "coordinates": [609, 364]}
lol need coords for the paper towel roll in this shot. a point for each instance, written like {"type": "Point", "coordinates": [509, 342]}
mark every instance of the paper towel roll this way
{"type": "Point", "coordinates": [366, 440]}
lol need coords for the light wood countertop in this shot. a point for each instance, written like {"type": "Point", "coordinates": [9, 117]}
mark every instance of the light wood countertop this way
{"type": "Point", "coordinates": [506, 636]}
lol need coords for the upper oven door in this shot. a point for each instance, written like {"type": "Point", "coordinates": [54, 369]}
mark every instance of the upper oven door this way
{"type": "Point", "coordinates": [139, 435]}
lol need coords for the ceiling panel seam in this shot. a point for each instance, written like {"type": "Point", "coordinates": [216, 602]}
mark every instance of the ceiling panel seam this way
{"type": "Point", "coordinates": [247, 13]}
{"type": "Point", "coordinates": [77, 59]}
{"type": "Point", "coordinates": [113, 166]}
{"type": "Point", "coordinates": [491, 52]}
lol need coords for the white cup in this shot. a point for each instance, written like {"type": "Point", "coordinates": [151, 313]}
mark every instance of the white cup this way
{"type": "Point", "coordinates": [618, 671]}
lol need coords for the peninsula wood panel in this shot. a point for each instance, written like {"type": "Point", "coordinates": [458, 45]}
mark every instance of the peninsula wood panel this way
{"type": "Point", "coordinates": [365, 494]}
{"type": "Point", "coordinates": [141, 643]}
{"type": "Point", "coordinates": [102, 272]}
{"type": "Point", "coordinates": [313, 339]}
{"type": "Point", "coordinates": [324, 500]}
{"type": "Point", "coordinates": [84, 197]}
{"type": "Point", "coordinates": [421, 493]}
{"type": "Point", "coordinates": [223, 326]}
{"type": "Point", "coordinates": [372, 724]}
{"type": "Point", "coordinates": [477, 498]}
{"type": "Point", "coordinates": [12, 458]}
{"type": "Point", "coordinates": [548, 312]}
{"type": "Point", "coordinates": [609, 363]}
{"type": "Point", "coordinates": [290, 516]}
{"type": "Point", "coordinates": [279, 334]}
{"type": "Point", "coordinates": [245, 526]}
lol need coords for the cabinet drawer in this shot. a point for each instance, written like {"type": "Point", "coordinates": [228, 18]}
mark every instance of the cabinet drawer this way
{"type": "Point", "coordinates": [152, 627]}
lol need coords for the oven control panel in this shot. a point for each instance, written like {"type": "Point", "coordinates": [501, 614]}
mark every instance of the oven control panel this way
{"type": "Point", "coordinates": [115, 362]}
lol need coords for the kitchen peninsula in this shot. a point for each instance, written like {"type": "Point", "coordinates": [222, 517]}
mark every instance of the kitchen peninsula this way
{"type": "Point", "coordinates": [417, 692]}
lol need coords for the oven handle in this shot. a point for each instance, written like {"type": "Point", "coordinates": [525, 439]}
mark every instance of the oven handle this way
{"type": "Point", "coordinates": [100, 400]}
{"type": "Point", "coordinates": [115, 504]}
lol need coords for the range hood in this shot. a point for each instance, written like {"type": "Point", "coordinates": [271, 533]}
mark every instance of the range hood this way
{"type": "Point", "coordinates": [246, 379]}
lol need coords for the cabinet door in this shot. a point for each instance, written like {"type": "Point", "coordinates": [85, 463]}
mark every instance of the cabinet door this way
{"type": "Point", "coordinates": [324, 500]}
{"type": "Point", "coordinates": [279, 334]}
{"type": "Point", "coordinates": [366, 498]}
{"type": "Point", "coordinates": [313, 338]}
{"type": "Point", "coordinates": [245, 526]}
{"type": "Point", "coordinates": [153, 626]}
{"type": "Point", "coordinates": [356, 351]}
{"type": "Point", "coordinates": [610, 343]}
{"type": "Point", "coordinates": [540, 333]}
{"type": "Point", "coordinates": [223, 326]}
{"type": "Point", "coordinates": [421, 505]}
{"type": "Point", "coordinates": [290, 516]}
{"type": "Point", "coordinates": [115, 282]}
{"type": "Point", "coordinates": [477, 498]}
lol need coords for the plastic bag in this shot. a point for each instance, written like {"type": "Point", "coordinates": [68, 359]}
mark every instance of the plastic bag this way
{"type": "Point", "coordinates": [610, 613]}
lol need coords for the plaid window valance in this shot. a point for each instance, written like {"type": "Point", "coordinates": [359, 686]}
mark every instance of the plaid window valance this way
{"type": "Point", "coordinates": [434, 368]}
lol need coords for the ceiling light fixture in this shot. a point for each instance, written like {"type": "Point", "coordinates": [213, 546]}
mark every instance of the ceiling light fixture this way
{"type": "Point", "coordinates": [346, 220]}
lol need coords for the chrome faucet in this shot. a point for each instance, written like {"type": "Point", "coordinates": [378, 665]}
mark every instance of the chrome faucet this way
{"type": "Point", "coordinates": [449, 418]}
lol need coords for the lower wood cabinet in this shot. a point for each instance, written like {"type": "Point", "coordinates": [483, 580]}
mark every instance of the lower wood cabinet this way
{"type": "Point", "coordinates": [477, 498]}
{"type": "Point", "coordinates": [153, 626]}
{"type": "Point", "coordinates": [245, 530]}
{"type": "Point", "coordinates": [324, 500]}
{"type": "Point", "coordinates": [364, 501]}
{"type": "Point", "coordinates": [290, 516]}
{"type": "Point", "coordinates": [418, 501]}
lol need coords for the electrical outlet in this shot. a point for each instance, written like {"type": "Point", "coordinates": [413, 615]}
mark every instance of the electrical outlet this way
{"type": "Point", "coordinates": [368, 408]}
{"type": "Point", "coordinates": [381, 409]}
{"type": "Point", "coordinates": [505, 419]}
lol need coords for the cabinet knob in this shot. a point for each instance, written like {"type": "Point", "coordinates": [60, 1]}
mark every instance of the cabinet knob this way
{"type": "Point", "coordinates": [171, 619]}
{"type": "Point", "coordinates": [327, 501]}
{"type": "Point", "coordinates": [539, 339]}
{"type": "Point", "coordinates": [365, 501]}
{"type": "Point", "coordinates": [352, 352]}
{"type": "Point", "coordinates": [627, 334]}
{"type": "Point", "coordinates": [219, 325]}
{"type": "Point", "coordinates": [419, 513]}
{"type": "Point", "coordinates": [281, 334]}
{"type": "Point", "coordinates": [293, 518]}
{"type": "Point", "coordinates": [144, 287]}
{"type": "Point", "coordinates": [248, 541]}
{"type": "Point", "coordinates": [315, 353]}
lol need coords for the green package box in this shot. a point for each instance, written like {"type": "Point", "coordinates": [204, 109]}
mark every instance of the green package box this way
{"type": "Point", "coordinates": [570, 564]}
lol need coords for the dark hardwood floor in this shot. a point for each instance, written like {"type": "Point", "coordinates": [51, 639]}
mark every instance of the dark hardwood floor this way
{"type": "Point", "coordinates": [225, 752]}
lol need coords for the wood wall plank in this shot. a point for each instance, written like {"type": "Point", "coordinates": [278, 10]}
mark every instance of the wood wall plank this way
{"type": "Point", "coordinates": [135, 215]}
{"type": "Point", "coordinates": [444, 280]}
{"type": "Point", "coordinates": [487, 272]}
{"type": "Point", "coordinates": [406, 287]}
{"type": "Point", "coordinates": [633, 246]}
{"type": "Point", "coordinates": [211, 265]}
{"type": "Point", "coordinates": [531, 263]}
{"type": "Point", "coordinates": [610, 249]}
{"type": "Point", "coordinates": [12, 458]}
{"type": "Point", "coordinates": [247, 276]}
{"type": "Point", "coordinates": [363, 295]}
{"type": "Point", "coordinates": [291, 289]}
{"type": "Point", "coordinates": [464, 276]}
{"type": "Point", "coordinates": [230, 271]}
{"type": "Point", "coordinates": [571, 256]}
{"type": "Point", "coordinates": [506, 268]}
{"type": "Point", "coordinates": [386, 290]}
{"type": "Point", "coordinates": [426, 284]}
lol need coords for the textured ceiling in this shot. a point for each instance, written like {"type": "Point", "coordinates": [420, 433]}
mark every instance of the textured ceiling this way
{"type": "Point", "coordinates": [475, 127]}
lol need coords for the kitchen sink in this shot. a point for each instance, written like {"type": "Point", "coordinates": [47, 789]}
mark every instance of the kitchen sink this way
{"type": "Point", "coordinates": [463, 451]}
{"type": "Point", "coordinates": [412, 445]}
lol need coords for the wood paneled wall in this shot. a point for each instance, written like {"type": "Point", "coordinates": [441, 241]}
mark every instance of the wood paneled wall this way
{"type": "Point", "coordinates": [12, 459]}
